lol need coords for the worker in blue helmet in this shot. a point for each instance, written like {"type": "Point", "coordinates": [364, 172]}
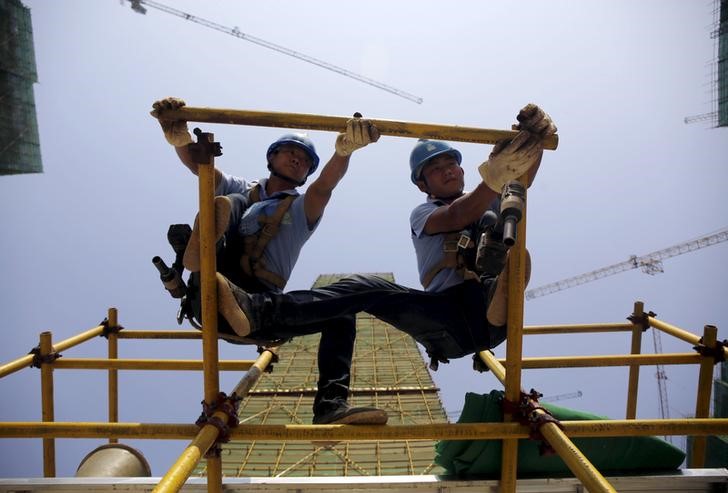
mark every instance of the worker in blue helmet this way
{"type": "Point", "coordinates": [457, 314]}
{"type": "Point", "coordinates": [260, 228]}
{"type": "Point", "coordinates": [445, 228]}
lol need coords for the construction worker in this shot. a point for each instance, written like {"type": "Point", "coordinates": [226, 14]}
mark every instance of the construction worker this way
{"type": "Point", "coordinates": [461, 312]}
{"type": "Point", "coordinates": [260, 229]}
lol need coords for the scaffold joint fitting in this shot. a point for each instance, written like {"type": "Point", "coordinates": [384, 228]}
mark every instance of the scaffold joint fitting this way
{"type": "Point", "coordinates": [717, 352]}
{"type": "Point", "coordinates": [108, 329]}
{"type": "Point", "coordinates": [229, 406]}
{"type": "Point", "coordinates": [529, 413]}
{"type": "Point", "coordinates": [478, 364]}
{"type": "Point", "coordinates": [642, 319]}
{"type": "Point", "coordinates": [39, 359]}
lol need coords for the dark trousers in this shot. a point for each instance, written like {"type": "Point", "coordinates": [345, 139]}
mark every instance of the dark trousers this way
{"type": "Point", "coordinates": [449, 324]}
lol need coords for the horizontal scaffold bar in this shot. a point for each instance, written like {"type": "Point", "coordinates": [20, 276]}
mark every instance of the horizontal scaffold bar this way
{"type": "Point", "coordinates": [159, 334]}
{"type": "Point", "coordinates": [144, 364]}
{"type": "Point", "coordinates": [609, 360]}
{"type": "Point", "coordinates": [338, 123]}
{"type": "Point", "coordinates": [444, 431]}
{"type": "Point", "coordinates": [581, 328]}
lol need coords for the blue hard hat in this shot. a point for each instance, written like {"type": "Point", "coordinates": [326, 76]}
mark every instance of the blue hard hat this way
{"type": "Point", "coordinates": [299, 140]}
{"type": "Point", "coordinates": [424, 151]}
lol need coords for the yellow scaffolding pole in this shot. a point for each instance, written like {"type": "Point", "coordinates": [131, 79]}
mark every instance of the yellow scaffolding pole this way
{"type": "Point", "coordinates": [514, 346]}
{"type": "Point", "coordinates": [47, 411]}
{"type": "Point", "coordinates": [26, 361]}
{"type": "Point", "coordinates": [113, 378]}
{"type": "Point", "coordinates": [705, 383]}
{"type": "Point", "coordinates": [634, 369]}
{"type": "Point", "coordinates": [439, 431]}
{"type": "Point", "coordinates": [577, 462]}
{"type": "Point", "coordinates": [145, 364]}
{"type": "Point", "coordinates": [608, 360]}
{"type": "Point", "coordinates": [337, 123]}
{"type": "Point", "coordinates": [185, 464]}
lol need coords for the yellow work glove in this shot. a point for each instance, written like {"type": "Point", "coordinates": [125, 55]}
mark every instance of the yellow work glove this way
{"type": "Point", "coordinates": [175, 131]}
{"type": "Point", "coordinates": [358, 134]}
{"type": "Point", "coordinates": [512, 159]}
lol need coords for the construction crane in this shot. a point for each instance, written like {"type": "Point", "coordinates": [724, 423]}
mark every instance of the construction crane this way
{"type": "Point", "coordinates": [561, 397]}
{"type": "Point", "coordinates": [650, 264]}
{"type": "Point", "coordinates": [139, 7]}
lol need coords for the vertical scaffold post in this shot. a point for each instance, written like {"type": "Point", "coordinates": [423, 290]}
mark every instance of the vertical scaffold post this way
{"type": "Point", "coordinates": [113, 320]}
{"type": "Point", "coordinates": [634, 370]}
{"type": "Point", "coordinates": [514, 345]}
{"type": "Point", "coordinates": [705, 382]}
{"type": "Point", "coordinates": [208, 286]}
{"type": "Point", "coordinates": [46, 386]}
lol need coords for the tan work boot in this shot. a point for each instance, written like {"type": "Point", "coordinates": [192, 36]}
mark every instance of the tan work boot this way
{"type": "Point", "coordinates": [191, 259]}
{"type": "Point", "coordinates": [234, 304]}
{"type": "Point", "coordinates": [498, 308]}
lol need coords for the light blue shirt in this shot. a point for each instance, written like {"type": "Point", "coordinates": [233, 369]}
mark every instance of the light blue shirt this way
{"type": "Point", "coordinates": [281, 253]}
{"type": "Point", "coordinates": [429, 249]}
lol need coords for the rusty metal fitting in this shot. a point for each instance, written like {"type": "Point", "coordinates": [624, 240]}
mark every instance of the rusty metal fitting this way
{"type": "Point", "coordinates": [108, 329]}
{"type": "Point", "coordinates": [229, 406]}
{"type": "Point", "coordinates": [716, 352]}
{"type": "Point", "coordinates": [39, 359]}
{"type": "Point", "coordinates": [642, 320]}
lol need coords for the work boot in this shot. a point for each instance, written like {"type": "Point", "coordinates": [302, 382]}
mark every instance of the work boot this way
{"type": "Point", "coordinates": [191, 259]}
{"type": "Point", "coordinates": [497, 313]}
{"type": "Point", "coordinates": [235, 306]}
{"type": "Point", "coordinates": [347, 415]}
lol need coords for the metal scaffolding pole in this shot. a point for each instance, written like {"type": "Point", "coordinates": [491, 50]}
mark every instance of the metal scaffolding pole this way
{"type": "Point", "coordinates": [113, 378]}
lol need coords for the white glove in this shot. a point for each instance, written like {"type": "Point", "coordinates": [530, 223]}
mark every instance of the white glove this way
{"type": "Point", "coordinates": [358, 134]}
{"type": "Point", "coordinates": [535, 120]}
{"type": "Point", "coordinates": [175, 131]}
{"type": "Point", "coordinates": [510, 160]}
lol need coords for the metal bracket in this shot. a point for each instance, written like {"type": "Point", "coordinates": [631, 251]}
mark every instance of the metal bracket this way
{"type": "Point", "coordinates": [205, 149]}
{"type": "Point", "coordinates": [228, 405]}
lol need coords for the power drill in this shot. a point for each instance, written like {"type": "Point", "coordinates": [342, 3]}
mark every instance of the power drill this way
{"type": "Point", "coordinates": [513, 201]}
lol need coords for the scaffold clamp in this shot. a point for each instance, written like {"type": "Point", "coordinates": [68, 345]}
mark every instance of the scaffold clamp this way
{"type": "Point", "coordinates": [529, 413]}
{"type": "Point", "coordinates": [642, 319]}
{"type": "Point", "coordinates": [717, 352]}
{"type": "Point", "coordinates": [39, 359]}
{"type": "Point", "coordinates": [108, 329]}
{"type": "Point", "coordinates": [229, 406]}
{"type": "Point", "coordinates": [205, 149]}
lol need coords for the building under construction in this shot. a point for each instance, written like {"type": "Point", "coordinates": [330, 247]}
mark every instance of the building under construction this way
{"type": "Point", "coordinates": [19, 141]}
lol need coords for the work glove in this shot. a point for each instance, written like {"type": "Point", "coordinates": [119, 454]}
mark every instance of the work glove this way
{"type": "Point", "coordinates": [175, 131]}
{"type": "Point", "coordinates": [535, 120]}
{"type": "Point", "coordinates": [358, 134]}
{"type": "Point", "coordinates": [511, 159]}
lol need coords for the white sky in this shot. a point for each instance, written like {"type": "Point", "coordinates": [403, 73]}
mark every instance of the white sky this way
{"type": "Point", "coordinates": [629, 177]}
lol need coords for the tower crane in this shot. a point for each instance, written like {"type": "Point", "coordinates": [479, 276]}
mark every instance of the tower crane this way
{"type": "Point", "coordinates": [650, 264]}
{"type": "Point", "coordinates": [139, 7]}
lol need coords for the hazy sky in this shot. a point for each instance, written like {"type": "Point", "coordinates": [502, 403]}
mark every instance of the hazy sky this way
{"type": "Point", "coordinates": [629, 177]}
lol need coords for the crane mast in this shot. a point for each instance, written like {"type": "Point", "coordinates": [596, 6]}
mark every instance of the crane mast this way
{"type": "Point", "coordinates": [138, 6]}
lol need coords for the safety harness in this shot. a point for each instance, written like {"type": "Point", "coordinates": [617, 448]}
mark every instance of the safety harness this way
{"type": "Point", "coordinates": [252, 261]}
{"type": "Point", "coordinates": [454, 247]}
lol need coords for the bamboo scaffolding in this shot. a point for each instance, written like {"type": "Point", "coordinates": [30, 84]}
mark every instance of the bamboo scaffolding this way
{"type": "Point", "coordinates": [145, 364]}
{"type": "Point", "coordinates": [609, 360]}
{"type": "Point", "coordinates": [558, 439]}
{"type": "Point", "coordinates": [705, 384]}
{"type": "Point", "coordinates": [177, 475]}
{"type": "Point", "coordinates": [514, 347]}
{"type": "Point", "coordinates": [444, 431]}
{"type": "Point", "coordinates": [26, 361]}
{"type": "Point", "coordinates": [338, 124]}
{"type": "Point", "coordinates": [47, 408]}
{"type": "Point", "coordinates": [634, 369]}
{"type": "Point", "coordinates": [113, 377]}
{"type": "Point", "coordinates": [675, 331]}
